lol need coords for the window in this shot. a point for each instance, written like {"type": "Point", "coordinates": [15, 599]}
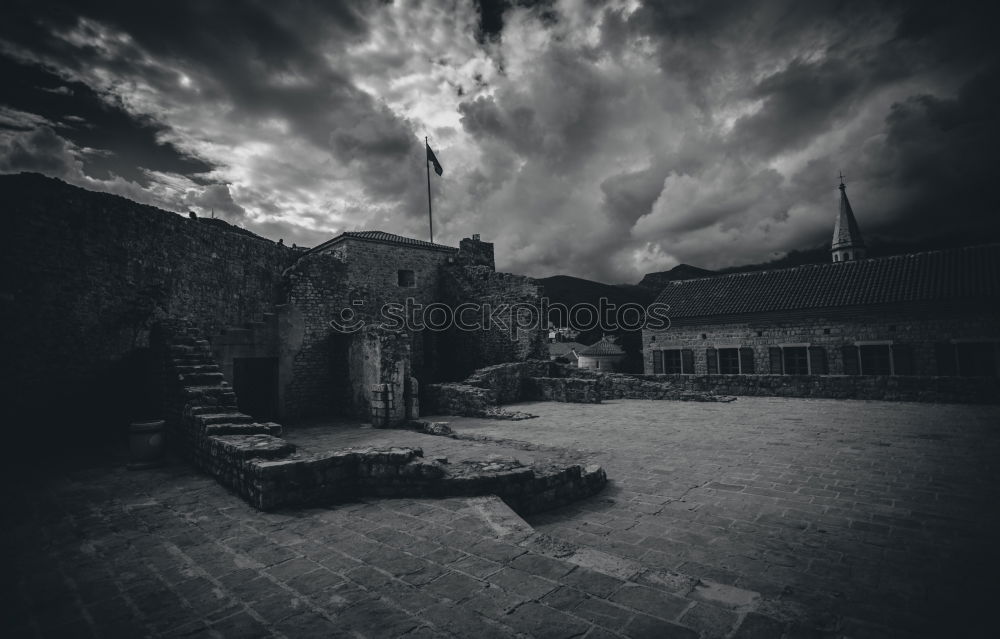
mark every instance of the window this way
{"type": "Point", "coordinates": [674, 361]}
{"type": "Point", "coordinates": [729, 361]}
{"type": "Point", "coordinates": [878, 359]}
{"type": "Point", "coordinates": [795, 360]}
{"type": "Point", "coordinates": [406, 278]}
{"type": "Point", "coordinates": [875, 360]}
{"type": "Point", "coordinates": [798, 360]}
{"type": "Point", "coordinates": [817, 361]}
{"type": "Point", "coordinates": [967, 359]}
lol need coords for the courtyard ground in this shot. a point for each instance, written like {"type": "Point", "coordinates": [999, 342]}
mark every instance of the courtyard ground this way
{"type": "Point", "coordinates": [759, 518]}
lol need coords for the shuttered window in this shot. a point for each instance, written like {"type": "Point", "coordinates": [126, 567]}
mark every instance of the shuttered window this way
{"type": "Point", "coordinates": [729, 361]}
{"type": "Point", "coordinates": [795, 360]}
{"type": "Point", "coordinates": [876, 359]}
{"type": "Point", "coordinates": [687, 361]}
{"type": "Point", "coordinates": [746, 361]}
{"type": "Point", "coordinates": [851, 364]}
{"type": "Point", "coordinates": [712, 362]}
{"type": "Point", "coordinates": [774, 356]}
{"type": "Point", "coordinates": [673, 361]}
{"type": "Point", "coordinates": [902, 359]}
{"type": "Point", "coordinates": [817, 361]}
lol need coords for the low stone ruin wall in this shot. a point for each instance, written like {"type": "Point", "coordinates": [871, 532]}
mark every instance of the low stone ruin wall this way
{"type": "Point", "coordinates": [252, 459]}
{"type": "Point", "coordinates": [510, 382]}
{"type": "Point", "coordinates": [548, 381]}
{"type": "Point", "coordinates": [564, 389]}
{"type": "Point", "coordinates": [457, 399]}
{"type": "Point", "coordinates": [544, 380]}
{"type": "Point", "coordinates": [402, 472]}
{"type": "Point", "coordinates": [966, 390]}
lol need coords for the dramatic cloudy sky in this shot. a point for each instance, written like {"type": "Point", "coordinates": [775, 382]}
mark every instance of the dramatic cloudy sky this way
{"type": "Point", "coordinates": [598, 139]}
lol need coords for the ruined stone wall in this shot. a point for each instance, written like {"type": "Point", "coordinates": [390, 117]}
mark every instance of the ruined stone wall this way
{"type": "Point", "coordinates": [82, 276]}
{"type": "Point", "coordinates": [463, 351]}
{"type": "Point", "coordinates": [970, 390]}
{"type": "Point", "coordinates": [918, 326]}
{"type": "Point", "coordinates": [361, 277]}
{"type": "Point", "coordinates": [549, 381]}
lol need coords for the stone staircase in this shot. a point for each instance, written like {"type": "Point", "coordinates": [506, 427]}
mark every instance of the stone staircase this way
{"type": "Point", "coordinates": [200, 405]}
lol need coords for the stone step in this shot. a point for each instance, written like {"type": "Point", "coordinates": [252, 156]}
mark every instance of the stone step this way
{"type": "Point", "coordinates": [191, 360]}
{"type": "Point", "coordinates": [182, 350]}
{"type": "Point", "coordinates": [223, 418]}
{"type": "Point", "coordinates": [201, 379]}
{"type": "Point", "coordinates": [201, 409]}
{"type": "Point", "coordinates": [253, 428]}
{"type": "Point", "coordinates": [188, 369]}
{"type": "Point", "coordinates": [242, 447]}
{"type": "Point", "coordinates": [215, 394]}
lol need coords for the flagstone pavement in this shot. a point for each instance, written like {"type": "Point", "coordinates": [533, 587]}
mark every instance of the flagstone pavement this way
{"type": "Point", "coordinates": [759, 518]}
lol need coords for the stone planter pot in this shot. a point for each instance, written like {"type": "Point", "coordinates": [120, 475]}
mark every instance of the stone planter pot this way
{"type": "Point", "coordinates": [146, 444]}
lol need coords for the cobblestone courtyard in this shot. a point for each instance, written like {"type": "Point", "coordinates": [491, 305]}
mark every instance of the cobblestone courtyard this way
{"type": "Point", "coordinates": [760, 518]}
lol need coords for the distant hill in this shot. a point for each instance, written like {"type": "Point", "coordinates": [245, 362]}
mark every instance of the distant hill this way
{"type": "Point", "coordinates": [568, 290]}
{"type": "Point", "coordinates": [564, 289]}
{"type": "Point", "coordinates": [680, 272]}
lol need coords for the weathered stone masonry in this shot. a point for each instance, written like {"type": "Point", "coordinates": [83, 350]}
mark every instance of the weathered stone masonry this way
{"type": "Point", "coordinates": [351, 279]}
{"type": "Point", "coordinates": [83, 275]}
{"type": "Point", "coordinates": [252, 459]}
{"type": "Point", "coordinates": [915, 326]}
{"type": "Point", "coordinates": [361, 276]}
{"type": "Point", "coordinates": [924, 314]}
{"type": "Point", "coordinates": [549, 381]}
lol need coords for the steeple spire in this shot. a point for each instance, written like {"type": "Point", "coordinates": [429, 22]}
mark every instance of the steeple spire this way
{"type": "Point", "coordinates": [847, 241]}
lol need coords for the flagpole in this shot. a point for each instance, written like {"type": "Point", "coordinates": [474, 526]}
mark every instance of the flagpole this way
{"type": "Point", "coordinates": [430, 211]}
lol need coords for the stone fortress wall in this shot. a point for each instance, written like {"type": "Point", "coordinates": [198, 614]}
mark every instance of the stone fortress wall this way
{"type": "Point", "coordinates": [84, 274]}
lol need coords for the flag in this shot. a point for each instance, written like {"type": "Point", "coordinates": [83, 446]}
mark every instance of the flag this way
{"type": "Point", "coordinates": [433, 160]}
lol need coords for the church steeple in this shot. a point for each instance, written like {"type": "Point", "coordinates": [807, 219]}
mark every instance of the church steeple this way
{"type": "Point", "coordinates": [847, 241]}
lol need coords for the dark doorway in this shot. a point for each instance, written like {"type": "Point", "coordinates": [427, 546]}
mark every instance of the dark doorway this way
{"type": "Point", "coordinates": [255, 380]}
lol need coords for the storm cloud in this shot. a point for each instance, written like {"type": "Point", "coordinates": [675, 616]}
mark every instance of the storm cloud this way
{"type": "Point", "coordinates": [598, 139]}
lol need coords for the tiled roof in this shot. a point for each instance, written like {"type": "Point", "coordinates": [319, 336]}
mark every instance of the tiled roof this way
{"type": "Point", "coordinates": [846, 233]}
{"type": "Point", "coordinates": [384, 238]}
{"type": "Point", "coordinates": [564, 349]}
{"type": "Point", "coordinates": [971, 273]}
{"type": "Point", "coordinates": [603, 347]}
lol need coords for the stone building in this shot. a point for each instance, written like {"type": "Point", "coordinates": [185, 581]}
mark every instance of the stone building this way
{"type": "Point", "coordinates": [85, 275]}
{"type": "Point", "coordinates": [924, 314]}
{"type": "Point", "coordinates": [604, 355]}
{"type": "Point", "coordinates": [369, 312]}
